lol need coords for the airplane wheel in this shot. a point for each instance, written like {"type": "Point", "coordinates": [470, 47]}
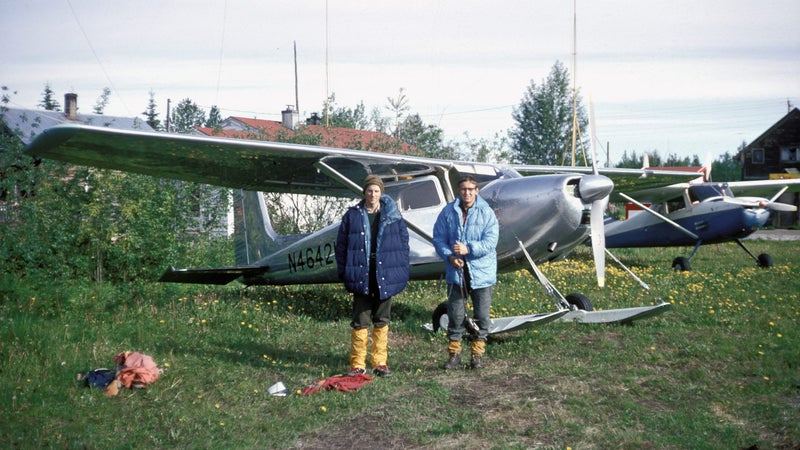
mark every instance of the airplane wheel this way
{"type": "Point", "coordinates": [440, 317]}
{"type": "Point", "coordinates": [764, 260]}
{"type": "Point", "coordinates": [681, 263]}
{"type": "Point", "coordinates": [580, 301]}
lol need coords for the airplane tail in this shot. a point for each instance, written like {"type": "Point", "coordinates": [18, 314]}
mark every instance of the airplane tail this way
{"type": "Point", "coordinates": [254, 237]}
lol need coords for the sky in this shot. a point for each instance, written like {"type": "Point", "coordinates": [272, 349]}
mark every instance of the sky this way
{"type": "Point", "coordinates": [682, 77]}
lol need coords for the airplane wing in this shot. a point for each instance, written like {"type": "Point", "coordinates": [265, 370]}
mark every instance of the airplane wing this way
{"type": "Point", "coordinates": [753, 188]}
{"type": "Point", "coordinates": [651, 181]}
{"type": "Point", "coordinates": [276, 167]}
{"type": "Point", "coordinates": [763, 188]}
{"type": "Point", "coordinates": [236, 163]}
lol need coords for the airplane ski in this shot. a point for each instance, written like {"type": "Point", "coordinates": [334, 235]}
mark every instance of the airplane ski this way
{"type": "Point", "coordinates": [621, 316]}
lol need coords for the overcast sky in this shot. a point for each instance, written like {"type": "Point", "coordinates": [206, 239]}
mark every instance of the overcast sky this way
{"type": "Point", "coordinates": [681, 76]}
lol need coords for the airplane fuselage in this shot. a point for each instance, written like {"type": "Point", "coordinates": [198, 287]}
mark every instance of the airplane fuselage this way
{"type": "Point", "coordinates": [712, 221]}
{"type": "Point", "coordinates": [545, 213]}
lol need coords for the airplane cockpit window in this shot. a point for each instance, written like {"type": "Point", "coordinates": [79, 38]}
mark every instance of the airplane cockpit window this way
{"type": "Point", "coordinates": [417, 193]}
{"type": "Point", "coordinates": [706, 191]}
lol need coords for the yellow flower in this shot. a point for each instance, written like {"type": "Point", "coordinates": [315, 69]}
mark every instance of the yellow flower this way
{"type": "Point", "coordinates": [323, 409]}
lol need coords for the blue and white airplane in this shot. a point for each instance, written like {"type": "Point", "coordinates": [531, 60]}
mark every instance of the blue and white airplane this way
{"type": "Point", "coordinates": [699, 213]}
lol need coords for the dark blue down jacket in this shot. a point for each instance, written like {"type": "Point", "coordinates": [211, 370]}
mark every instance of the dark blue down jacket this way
{"type": "Point", "coordinates": [391, 257]}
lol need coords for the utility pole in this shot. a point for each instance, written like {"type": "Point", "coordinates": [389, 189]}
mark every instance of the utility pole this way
{"type": "Point", "coordinates": [168, 124]}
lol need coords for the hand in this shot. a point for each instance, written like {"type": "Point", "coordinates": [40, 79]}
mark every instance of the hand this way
{"type": "Point", "coordinates": [460, 249]}
{"type": "Point", "coordinates": [456, 262]}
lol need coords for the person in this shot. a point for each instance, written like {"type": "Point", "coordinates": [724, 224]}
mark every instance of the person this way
{"type": "Point", "coordinates": [372, 261]}
{"type": "Point", "coordinates": [465, 236]}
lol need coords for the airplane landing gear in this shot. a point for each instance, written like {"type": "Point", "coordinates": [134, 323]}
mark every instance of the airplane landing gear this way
{"type": "Point", "coordinates": [764, 260]}
{"type": "Point", "coordinates": [580, 301]}
{"type": "Point", "coordinates": [681, 264]}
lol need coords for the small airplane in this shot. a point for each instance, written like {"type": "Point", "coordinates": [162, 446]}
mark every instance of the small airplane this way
{"type": "Point", "coordinates": [699, 213]}
{"type": "Point", "coordinates": [542, 218]}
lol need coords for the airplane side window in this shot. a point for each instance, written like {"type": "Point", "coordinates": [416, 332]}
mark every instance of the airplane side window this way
{"type": "Point", "coordinates": [416, 195]}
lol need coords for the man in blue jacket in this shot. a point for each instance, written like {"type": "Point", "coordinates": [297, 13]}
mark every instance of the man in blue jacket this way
{"type": "Point", "coordinates": [372, 259]}
{"type": "Point", "coordinates": [465, 236]}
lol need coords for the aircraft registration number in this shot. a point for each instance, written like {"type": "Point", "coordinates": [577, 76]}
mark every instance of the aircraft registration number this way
{"type": "Point", "coordinates": [311, 257]}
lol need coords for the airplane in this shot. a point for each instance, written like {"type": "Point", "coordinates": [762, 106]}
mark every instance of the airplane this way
{"type": "Point", "coordinates": [542, 218]}
{"type": "Point", "coordinates": [699, 213]}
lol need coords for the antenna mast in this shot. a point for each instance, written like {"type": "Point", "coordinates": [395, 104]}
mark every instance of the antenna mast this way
{"type": "Point", "coordinates": [296, 95]}
{"type": "Point", "coordinates": [574, 76]}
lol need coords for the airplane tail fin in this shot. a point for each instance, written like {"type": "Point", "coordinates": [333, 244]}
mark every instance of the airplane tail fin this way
{"type": "Point", "coordinates": [254, 237]}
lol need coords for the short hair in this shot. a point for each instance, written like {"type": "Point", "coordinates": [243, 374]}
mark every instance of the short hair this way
{"type": "Point", "coordinates": [467, 179]}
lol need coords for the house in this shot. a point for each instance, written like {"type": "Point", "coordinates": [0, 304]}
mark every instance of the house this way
{"type": "Point", "coordinates": [776, 155]}
{"type": "Point", "coordinates": [288, 129]}
{"type": "Point", "coordinates": [27, 123]}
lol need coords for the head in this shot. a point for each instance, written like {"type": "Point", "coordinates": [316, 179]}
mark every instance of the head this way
{"type": "Point", "coordinates": [373, 189]}
{"type": "Point", "coordinates": [467, 191]}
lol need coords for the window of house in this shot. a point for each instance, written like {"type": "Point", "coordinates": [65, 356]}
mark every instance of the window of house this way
{"type": "Point", "coordinates": [757, 156]}
{"type": "Point", "coordinates": [790, 154]}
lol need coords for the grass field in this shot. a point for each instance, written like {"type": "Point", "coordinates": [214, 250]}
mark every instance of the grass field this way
{"type": "Point", "coordinates": [721, 370]}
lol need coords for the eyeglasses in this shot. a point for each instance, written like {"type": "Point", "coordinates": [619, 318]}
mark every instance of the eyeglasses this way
{"type": "Point", "coordinates": [468, 189]}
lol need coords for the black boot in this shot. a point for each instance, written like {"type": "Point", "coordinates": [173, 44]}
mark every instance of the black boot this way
{"type": "Point", "coordinates": [454, 362]}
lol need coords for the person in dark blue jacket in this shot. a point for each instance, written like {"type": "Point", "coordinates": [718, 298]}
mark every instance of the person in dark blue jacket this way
{"type": "Point", "coordinates": [372, 259]}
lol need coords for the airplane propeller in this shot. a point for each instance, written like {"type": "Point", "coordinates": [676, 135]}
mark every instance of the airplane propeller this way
{"type": "Point", "coordinates": [758, 202]}
{"type": "Point", "coordinates": [597, 188]}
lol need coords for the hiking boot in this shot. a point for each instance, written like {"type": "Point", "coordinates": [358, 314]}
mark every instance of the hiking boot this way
{"type": "Point", "coordinates": [355, 371]}
{"type": "Point", "coordinates": [476, 362]}
{"type": "Point", "coordinates": [454, 362]}
{"type": "Point", "coordinates": [382, 371]}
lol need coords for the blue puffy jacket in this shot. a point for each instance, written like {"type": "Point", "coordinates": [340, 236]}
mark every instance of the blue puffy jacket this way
{"type": "Point", "coordinates": [479, 233]}
{"type": "Point", "coordinates": [391, 256]}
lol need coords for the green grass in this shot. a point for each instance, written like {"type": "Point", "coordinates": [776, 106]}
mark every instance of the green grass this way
{"type": "Point", "coordinates": [720, 370]}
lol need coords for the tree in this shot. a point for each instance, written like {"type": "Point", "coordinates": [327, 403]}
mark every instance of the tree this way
{"type": "Point", "coordinates": [429, 139]}
{"type": "Point", "coordinates": [726, 167]}
{"type": "Point", "coordinates": [343, 117]}
{"type": "Point", "coordinates": [102, 101]}
{"type": "Point", "coordinates": [186, 116]}
{"type": "Point", "coordinates": [214, 117]}
{"type": "Point", "coordinates": [49, 103]}
{"type": "Point", "coordinates": [494, 151]}
{"type": "Point", "coordinates": [398, 106]}
{"type": "Point", "coordinates": [654, 159]}
{"type": "Point", "coordinates": [151, 113]}
{"type": "Point", "coordinates": [543, 121]}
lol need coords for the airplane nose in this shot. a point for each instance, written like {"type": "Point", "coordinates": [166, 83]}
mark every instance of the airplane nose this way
{"type": "Point", "coordinates": [594, 187]}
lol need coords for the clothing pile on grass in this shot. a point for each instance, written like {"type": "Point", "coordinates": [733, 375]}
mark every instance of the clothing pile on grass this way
{"type": "Point", "coordinates": [132, 370]}
{"type": "Point", "coordinates": [344, 383]}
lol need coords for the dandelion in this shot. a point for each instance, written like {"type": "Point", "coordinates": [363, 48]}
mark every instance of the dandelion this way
{"type": "Point", "coordinates": [323, 409]}
{"type": "Point", "coordinates": [216, 405]}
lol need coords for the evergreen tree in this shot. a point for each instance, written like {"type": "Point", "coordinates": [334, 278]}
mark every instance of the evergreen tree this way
{"type": "Point", "coordinates": [726, 167]}
{"type": "Point", "coordinates": [151, 113]}
{"type": "Point", "coordinates": [102, 101]}
{"type": "Point", "coordinates": [186, 116]}
{"type": "Point", "coordinates": [214, 117]}
{"type": "Point", "coordinates": [544, 126]}
{"type": "Point", "coordinates": [49, 103]}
